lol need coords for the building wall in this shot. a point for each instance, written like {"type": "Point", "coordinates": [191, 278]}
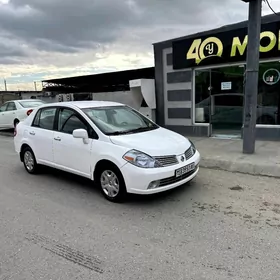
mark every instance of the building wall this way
{"type": "Point", "coordinates": [130, 98]}
{"type": "Point", "coordinates": [175, 89]}
{"type": "Point", "coordinates": [174, 94]}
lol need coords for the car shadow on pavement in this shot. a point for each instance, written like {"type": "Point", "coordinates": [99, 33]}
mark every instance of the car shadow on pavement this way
{"type": "Point", "coordinates": [73, 180]}
{"type": "Point", "coordinates": [7, 132]}
{"type": "Point", "coordinates": [87, 185]}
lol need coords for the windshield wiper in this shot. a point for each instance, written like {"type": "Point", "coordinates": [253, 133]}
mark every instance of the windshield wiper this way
{"type": "Point", "coordinates": [130, 131]}
{"type": "Point", "coordinates": [141, 129]}
{"type": "Point", "coordinates": [118, 132]}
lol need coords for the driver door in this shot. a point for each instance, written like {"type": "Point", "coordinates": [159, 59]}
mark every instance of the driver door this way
{"type": "Point", "coordinates": [71, 154]}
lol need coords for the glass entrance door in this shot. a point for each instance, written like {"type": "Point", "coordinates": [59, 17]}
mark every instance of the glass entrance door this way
{"type": "Point", "coordinates": [219, 98]}
{"type": "Point", "coordinates": [226, 102]}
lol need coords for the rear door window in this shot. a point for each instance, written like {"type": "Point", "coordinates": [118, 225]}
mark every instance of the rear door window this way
{"type": "Point", "coordinates": [11, 106]}
{"type": "Point", "coordinates": [45, 118]}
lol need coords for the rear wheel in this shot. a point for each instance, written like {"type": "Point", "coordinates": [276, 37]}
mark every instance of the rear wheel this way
{"type": "Point", "coordinates": [29, 161]}
{"type": "Point", "coordinates": [111, 183]}
{"type": "Point", "coordinates": [16, 122]}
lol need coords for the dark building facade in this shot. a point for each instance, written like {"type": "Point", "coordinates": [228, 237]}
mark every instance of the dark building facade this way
{"type": "Point", "coordinates": [200, 81]}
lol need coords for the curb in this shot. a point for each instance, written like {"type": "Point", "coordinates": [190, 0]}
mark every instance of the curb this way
{"type": "Point", "coordinates": [242, 167]}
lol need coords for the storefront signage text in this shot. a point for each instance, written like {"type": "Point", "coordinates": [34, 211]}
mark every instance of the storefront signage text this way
{"type": "Point", "coordinates": [224, 47]}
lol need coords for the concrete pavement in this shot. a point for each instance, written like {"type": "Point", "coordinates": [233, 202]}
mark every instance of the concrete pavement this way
{"type": "Point", "coordinates": [227, 155]}
{"type": "Point", "coordinates": [58, 226]}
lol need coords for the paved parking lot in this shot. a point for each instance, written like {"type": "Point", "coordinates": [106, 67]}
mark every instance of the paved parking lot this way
{"type": "Point", "coordinates": [58, 226]}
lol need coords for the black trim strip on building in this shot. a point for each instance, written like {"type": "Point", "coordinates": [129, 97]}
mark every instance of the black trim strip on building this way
{"type": "Point", "coordinates": [179, 77]}
{"type": "Point", "coordinates": [179, 95]}
{"type": "Point", "coordinates": [179, 113]}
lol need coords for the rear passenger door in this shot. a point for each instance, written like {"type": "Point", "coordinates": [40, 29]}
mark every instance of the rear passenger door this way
{"type": "Point", "coordinates": [41, 134]}
{"type": "Point", "coordinates": [3, 110]}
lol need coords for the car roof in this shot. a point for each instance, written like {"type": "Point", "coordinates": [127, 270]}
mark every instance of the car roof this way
{"type": "Point", "coordinates": [20, 100]}
{"type": "Point", "coordinates": [30, 99]}
{"type": "Point", "coordinates": [84, 104]}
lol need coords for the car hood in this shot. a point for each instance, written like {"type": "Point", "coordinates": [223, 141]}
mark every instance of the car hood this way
{"type": "Point", "coordinates": [158, 142]}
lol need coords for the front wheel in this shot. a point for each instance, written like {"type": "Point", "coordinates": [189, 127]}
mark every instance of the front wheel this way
{"type": "Point", "coordinates": [111, 183]}
{"type": "Point", "coordinates": [29, 161]}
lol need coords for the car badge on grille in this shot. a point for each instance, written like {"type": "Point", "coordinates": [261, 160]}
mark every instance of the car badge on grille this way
{"type": "Point", "coordinates": [182, 158]}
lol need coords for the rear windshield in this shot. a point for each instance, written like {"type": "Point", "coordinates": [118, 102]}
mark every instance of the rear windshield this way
{"type": "Point", "coordinates": [31, 103]}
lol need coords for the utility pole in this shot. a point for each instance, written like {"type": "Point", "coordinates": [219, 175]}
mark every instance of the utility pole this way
{"type": "Point", "coordinates": [35, 86]}
{"type": "Point", "coordinates": [5, 84]}
{"type": "Point", "coordinates": [252, 75]}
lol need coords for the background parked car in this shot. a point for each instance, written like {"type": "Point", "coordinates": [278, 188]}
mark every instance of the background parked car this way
{"type": "Point", "coordinates": [228, 107]}
{"type": "Point", "coordinates": [12, 112]}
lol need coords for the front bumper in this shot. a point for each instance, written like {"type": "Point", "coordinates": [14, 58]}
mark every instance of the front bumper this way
{"type": "Point", "coordinates": [138, 179]}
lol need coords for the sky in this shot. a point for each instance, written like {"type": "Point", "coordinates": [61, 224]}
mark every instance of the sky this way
{"type": "Point", "coordinates": [44, 39]}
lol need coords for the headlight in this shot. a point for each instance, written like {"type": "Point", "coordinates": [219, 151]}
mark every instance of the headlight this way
{"type": "Point", "coordinates": [193, 146]}
{"type": "Point", "coordinates": [141, 159]}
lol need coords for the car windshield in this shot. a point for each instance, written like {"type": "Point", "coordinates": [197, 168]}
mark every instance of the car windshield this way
{"type": "Point", "coordinates": [119, 120]}
{"type": "Point", "coordinates": [31, 103]}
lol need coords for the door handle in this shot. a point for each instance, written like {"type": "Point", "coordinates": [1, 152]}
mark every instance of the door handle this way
{"type": "Point", "coordinates": [32, 133]}
{"type": "Point", "coordinates": [57, 139]}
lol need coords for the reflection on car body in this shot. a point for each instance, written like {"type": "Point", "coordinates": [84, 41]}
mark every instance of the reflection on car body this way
{"type": "Point", "coordinates": [228, 107]}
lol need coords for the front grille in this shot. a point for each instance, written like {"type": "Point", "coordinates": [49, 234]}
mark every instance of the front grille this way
{"type": "Point", "coordinates": [189, 153]}
{"type": "Point", "coordinates": [167, 160]}
{"type": "Point", "coordinates": [174, 179]}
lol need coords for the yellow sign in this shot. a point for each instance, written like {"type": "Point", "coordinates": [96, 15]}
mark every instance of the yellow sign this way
{"type": "Point", "coordinates": [199, 50]}
{"type": "Point", "coordinates": [213, 46]}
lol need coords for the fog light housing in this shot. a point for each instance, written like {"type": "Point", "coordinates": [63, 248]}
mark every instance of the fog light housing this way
{"type": "Point", "coordinates": [153, 185]}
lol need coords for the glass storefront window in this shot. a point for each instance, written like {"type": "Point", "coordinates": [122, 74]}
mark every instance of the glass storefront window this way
{"type": "Point", "coordinates": [216, 105]}
{"type": "Point", "coordinates": [269, 94]}
{"type": "Point", "coordinates": [202, 95]}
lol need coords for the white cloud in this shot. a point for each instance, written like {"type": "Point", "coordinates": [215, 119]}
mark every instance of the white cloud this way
{"type": "Point", "coordinates": [42, 39]}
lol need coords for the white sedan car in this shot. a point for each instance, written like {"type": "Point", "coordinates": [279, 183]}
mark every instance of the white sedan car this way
{"type": "Point", "coordinates": [14, 111]}
{"type": "Point", "coordinates": [109, 143]}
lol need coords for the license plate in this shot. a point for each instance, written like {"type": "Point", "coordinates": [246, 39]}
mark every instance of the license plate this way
{"type": "Point", "coordinates": [183, 170]}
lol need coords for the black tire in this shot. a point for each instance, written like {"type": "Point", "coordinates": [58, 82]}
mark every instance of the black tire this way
{"type": "Point", "coordinates": [31, 166]}
{"type": "Point", "coordinates": [16, 122]}
{"type": "Point", "coordinates": [117, 180]}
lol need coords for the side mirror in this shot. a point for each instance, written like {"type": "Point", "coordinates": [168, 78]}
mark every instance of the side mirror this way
{"type": "Point", "coordinates": [81, 134]}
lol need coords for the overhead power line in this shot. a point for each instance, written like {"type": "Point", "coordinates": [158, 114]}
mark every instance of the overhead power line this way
{"type": "Point", "coordinates": [270, 7]}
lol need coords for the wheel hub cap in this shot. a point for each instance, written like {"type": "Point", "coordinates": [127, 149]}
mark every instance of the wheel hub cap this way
{"type": "Point", "coordinates": [29, 160]}
{"type": "Point", "coordinates": [110, 183]}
